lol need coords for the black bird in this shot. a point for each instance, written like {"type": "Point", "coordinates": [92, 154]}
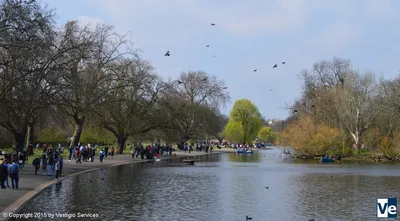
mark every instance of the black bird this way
{"type": "Point", "coordinates": [225, 87]}
{"type": "Point", "coordinates": [305, 103]}
{"type": "Point", "coordinates": [267, 187]}
{"type": "Point", "coordinates": [179, 82]}
{"type": "Point", "coordinates": [311, 220]}
{"type": "Point", "coordinates": [212, 24]}
{"type": "Point", "coordinates": [255, 70]}
{"type": "Point", "coordinates": [275, 66]}
{"type": "Point", "coordinates": [283, 62]}
{"type": "Point", "coordinates": [102, 178]}
{"type": "Point", "coordinates": [295, 111]}
{"type": "Point", "coordinates": [248, 218]}
{"type": "Point", "coordinates": [205, 79]}
{"type": "Point", "coordinates": [167, 54]}
{"type": "Point", "coordinates": [208, 46]}
{"type": "Point", "coordinates": [313, 106]}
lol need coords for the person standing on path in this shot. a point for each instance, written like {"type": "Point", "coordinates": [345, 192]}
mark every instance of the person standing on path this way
{"type": "Point", "coordinates": [93, 154]}
{"type": "Point", "coordinates": [36, 164]}
{"type": "Point", "coordinates": [50, 165]}
{"type": "Point", "coordinates": [7, 166]}
{"type": "Point", "coordinates": [44, 164]}
{"type": "Point", "coordinates": [101, 155]}
{"type": "Point", "coordinates": [112, 152]}
{"type": "Point", "coordinates": [70, 153]}
{"type": "Point", "coordinates": [61, 164]}
{"type": "Point", "coordinates": [106, 151]}
{"type": "Point", "coordinates": [14, 174]}
{"type": "Point", "coordinates": [57, 169]}
{"type": "Point", "coordinates": [3, 174]}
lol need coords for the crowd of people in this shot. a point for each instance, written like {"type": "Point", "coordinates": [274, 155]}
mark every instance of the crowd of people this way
{"type": "Point", "coordinates": [51, 161]}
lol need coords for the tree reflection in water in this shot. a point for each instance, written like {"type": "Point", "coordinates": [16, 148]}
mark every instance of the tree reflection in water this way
{"type": "Point", "coordinates": [255, 157]}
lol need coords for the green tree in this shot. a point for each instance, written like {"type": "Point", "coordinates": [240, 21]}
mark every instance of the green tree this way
{"type": "Point", "coordinates": [244, 123]}
{"type": "Point", "coordinates": [51, 135]}
{"type": "Point", "coordinates": [266, 135]}
{"type": "Point", "coordinates": [97, 135]}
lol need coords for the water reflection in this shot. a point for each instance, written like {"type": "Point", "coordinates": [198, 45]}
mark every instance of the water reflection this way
{"type": "Point", "coordinates": [255, 157]}
{"type": "Point", "coordinates": [342, 197]}
{"type": "Point", "coordinates": [215, 189]}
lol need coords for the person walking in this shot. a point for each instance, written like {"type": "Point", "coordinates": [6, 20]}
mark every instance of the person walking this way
{"type": "Point", "coordinates": [57, 169]}
{"type": "Point", "coordinates": [3, 174]}
{"type": "Point", "coordinates": [14, 174]}
{"type": "Point", "coordinates": [36, 164]}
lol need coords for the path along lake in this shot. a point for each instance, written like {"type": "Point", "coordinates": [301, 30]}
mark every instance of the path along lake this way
{"type": "Point", "coordinates": [225, 187]}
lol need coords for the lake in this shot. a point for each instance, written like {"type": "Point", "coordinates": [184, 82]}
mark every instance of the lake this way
{"type": "Point", "coordinates": [225, 187]}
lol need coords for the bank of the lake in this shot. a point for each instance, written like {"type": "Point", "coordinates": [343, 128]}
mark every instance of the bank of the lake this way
{"type": "Point", "coordinates": [225, 187]}
{"type": "Point", "coordinates": [31, 185]}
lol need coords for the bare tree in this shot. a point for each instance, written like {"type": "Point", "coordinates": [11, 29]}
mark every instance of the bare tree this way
{"type": "Point", "coordinates": [194, 100]}
{"type": "Point", "coordinates": [131, 107]}
{"type": "Point", "coordinates": [29, 64]}
{"type": "Point", "coordinates": [217, 125]}
{"type": "Point", "coordinates": [88, 77]}
{"type": "Point", "coordinates": [361, 100]}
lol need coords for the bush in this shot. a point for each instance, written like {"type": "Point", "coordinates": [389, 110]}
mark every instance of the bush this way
{"type": "Point", "coordinates": [308, 139]}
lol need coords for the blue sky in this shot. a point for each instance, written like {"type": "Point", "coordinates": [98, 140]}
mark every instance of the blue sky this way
{"type": "Point", "coordinates": [251, 35]}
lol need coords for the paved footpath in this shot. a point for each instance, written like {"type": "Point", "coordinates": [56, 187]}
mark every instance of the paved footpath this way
{"type": "Point", "coordinates": [31, 184]}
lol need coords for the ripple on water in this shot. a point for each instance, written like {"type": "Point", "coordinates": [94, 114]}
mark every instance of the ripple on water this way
{"type": "Point", "coordinates": [224, 190]}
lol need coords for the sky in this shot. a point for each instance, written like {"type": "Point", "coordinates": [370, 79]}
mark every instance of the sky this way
{"type": "Point", "coordinates": [251, 35]}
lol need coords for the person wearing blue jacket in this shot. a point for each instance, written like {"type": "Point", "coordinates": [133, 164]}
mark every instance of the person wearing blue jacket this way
{"type": "Point", "coordinates": [14, 174]}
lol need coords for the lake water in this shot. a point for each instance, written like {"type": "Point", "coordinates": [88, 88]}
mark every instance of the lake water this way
{"type": "Point", "coordinates": [225, 187]}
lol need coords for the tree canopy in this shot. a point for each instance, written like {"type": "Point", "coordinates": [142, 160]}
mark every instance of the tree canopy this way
{"type": "Point", "coordinates": [244, 123]}
{"type": "Point", "coordinates": [266, 135]}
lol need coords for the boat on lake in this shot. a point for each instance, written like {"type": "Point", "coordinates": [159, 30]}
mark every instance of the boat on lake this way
{"type": "Point", "coordinates": [244, 151]}
{"type": "Point", "coordinates": [327, 159]}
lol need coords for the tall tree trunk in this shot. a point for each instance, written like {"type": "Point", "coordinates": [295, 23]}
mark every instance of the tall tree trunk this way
{"type": "Point", "coordinates": [121, 143]}
{"type": "Point", "coordinates": [77, 134]}
{"type": "Point", "coordinates": [19, 141]}
{"type": "Point", "coordinates": [183, 141]}
{"type": "Point", "coordinates": [30, 138]}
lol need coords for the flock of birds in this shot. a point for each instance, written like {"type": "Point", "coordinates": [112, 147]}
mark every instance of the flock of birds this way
{"type": "Point", "coordinates": [168, 53]}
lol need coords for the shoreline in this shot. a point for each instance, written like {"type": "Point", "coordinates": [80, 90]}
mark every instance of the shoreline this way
{"type": "Point", "coordinates": [20, 202]}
